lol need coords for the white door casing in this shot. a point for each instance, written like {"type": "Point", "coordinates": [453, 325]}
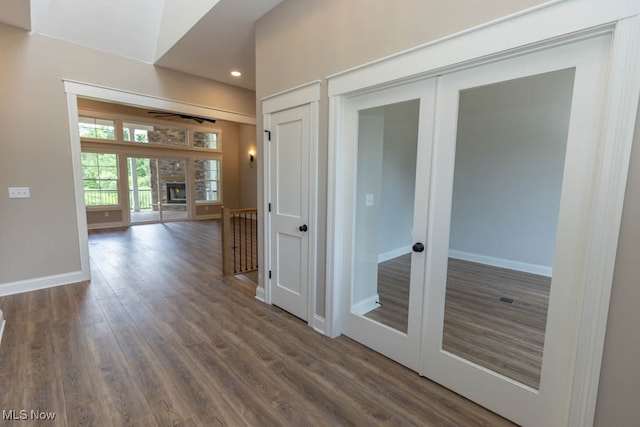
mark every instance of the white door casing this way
{"type": "Point", "coordinates": [290, 227]}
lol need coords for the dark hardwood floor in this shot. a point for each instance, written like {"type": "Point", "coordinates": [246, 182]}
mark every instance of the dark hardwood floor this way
{"type": "Point", "coordinates": [159, 337]}
{"type": "Point", "coordinates": [393, 292]}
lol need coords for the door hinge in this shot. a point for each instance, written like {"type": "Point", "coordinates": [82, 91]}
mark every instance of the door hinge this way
{"type": "Point", "coordinates": [268, 132]}
{"type": "Point", "coordinates": [269, 207]}
{"type": "Point", "coordinates": [269, 274]}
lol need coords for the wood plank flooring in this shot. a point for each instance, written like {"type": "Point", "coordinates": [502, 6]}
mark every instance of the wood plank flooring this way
{"type": "Point", "coordinates": [159, 337]}
{"type": "Point", "coordinates": [507, 338]}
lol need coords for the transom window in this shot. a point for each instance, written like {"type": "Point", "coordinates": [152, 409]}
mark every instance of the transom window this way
{"type": "Point", "coordinates": [154, 134]}
{"type": "Point", "coordinates": [92, 127]}
{"type": "Point", "coordinates": [206, 140]}
{"type": "Point", "coordinates": [100, 179]}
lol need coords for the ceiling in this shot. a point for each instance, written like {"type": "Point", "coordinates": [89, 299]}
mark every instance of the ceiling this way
{"type": "Point", "coordinates": [207, 38]}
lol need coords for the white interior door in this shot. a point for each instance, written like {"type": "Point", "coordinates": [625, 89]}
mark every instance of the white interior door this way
{"type": "Point", "coordinates": [289, 204]}
{"type": "Point", "coordinates": [390, 139]}
{"type": "Point", "coordinates": [515, 145]}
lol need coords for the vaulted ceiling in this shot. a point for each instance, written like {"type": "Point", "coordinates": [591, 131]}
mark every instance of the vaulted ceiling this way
{"type": "Point", "coordinates": [207, 38]}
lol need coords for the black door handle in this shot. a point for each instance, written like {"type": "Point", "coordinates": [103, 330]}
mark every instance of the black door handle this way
{"type": "Point", "coordinates": [418, 247]}
{"type": "Point", "coordinates": [303, 227]}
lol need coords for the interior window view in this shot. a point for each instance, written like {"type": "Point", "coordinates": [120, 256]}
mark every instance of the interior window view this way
{"type": "Point", "coordinates": [292, 213]}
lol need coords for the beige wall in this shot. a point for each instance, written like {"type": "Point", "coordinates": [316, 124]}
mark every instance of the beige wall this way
{"type": "Point", "coordinates": [38, 236]}
{"type": "Point", "coordinates": [248, 173]}
{"type": "Point", "coordinates": [313, 39]}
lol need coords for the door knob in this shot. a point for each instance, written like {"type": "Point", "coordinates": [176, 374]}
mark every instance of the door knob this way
{"type": "Point", "coordinates": [418, 247]}
{"type": "Point", "coordinates": [303, 227]}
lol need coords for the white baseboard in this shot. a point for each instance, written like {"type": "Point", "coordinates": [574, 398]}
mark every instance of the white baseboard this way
{"type": "Point", "coordinates": [2, 325]}
{"type": "Point", "coordinates": [260, 293]}
{"type": "Point", "coordinates": [208, 216]}
{"type": "Point", "coordinates": [318, 324]}
{"type": "Point", "coordinates": [42, 283]}
{"type": "Point", "coordinates": [386, 256]}
{"type": "Point", "coordinates": [105, 225]}
{"type": "Point", "coordinates": [541, 270]}
{"type": "Point", "coordinates": [366, 305]}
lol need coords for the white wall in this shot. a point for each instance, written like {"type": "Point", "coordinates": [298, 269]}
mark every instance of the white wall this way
{"type": "Point", "coordinates": [510, 152]}
{"type": "Point", "coordinates": [398, 176]}
{"type": "Point", "coordinates": [369, 181]}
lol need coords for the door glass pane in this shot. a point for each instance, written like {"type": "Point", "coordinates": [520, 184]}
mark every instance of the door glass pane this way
{"type": "Point", "coordinates": [386, 170]}
{"type": "Point", "coordinates": [143, 189]}
{"type": "Point", "coordinates": [509, 164]}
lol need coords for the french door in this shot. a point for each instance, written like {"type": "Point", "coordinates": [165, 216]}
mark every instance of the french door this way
{"type": "Point", "coordinates": [157, 189]}
{"type": "Point", "coordinates": [393, 130]}
{"type": "Point", "coordinates": [468, 211]}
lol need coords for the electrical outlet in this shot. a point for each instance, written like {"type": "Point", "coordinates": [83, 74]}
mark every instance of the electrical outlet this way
{"type": "Point", "coordinates": [19, 193]}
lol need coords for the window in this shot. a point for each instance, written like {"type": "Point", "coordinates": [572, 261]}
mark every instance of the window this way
{"type": "Point", "coordinates": [100, 178]}
{"type": "Point", "coordinates": [91, 127]}
{"type": "Point", "coordinates": [154, 134]}
{"type": "Point", "coordinates": [207, 183]}
{"type": "Point", "coordinates": [209, 140]}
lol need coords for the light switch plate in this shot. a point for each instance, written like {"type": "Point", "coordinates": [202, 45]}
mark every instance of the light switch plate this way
{"type": "Point", "coordinates": [368, 200]}
{"type": "Point", "coordinates": [19, 193]}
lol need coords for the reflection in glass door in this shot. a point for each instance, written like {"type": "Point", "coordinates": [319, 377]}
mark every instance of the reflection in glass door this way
{"type": "Point", "coordinates": [383, 308]}
{"type": "Point", "coordinates": [157, 189]}
{"type": "Point", "coordinates": [387, 148]}
{"type": "Point", "coordinates": [515, 143]}
{"type": "Point", "coordinates": [509, 164]}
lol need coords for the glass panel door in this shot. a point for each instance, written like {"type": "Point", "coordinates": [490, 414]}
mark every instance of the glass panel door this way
{"type": "Point", "coordinates": [157, 189]}
{"type": "Point", "coordinates": [515, 146]}
{"type": "Point", "coordinates": [144, 196]}
{"type": "Point", "coordinates": [392, 133]}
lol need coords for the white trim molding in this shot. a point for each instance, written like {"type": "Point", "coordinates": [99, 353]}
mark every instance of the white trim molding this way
{"type": "Point", "coordinates": [131, 98]}
{"type": "Point", "coordinates": [38, 283]}
{"type": "Point", "coordinates": [394, 253]}
{"type": "Point", "coordinates": [301, 95]}
{"type": "Point", "coordinates": [366, 305]}
{"type": "Point", "coordinates": [541, 270]}
{"type": "Point", "coordinates": [260, 294]}
{"type": "Point", "coordinates": [3, 323]}
{"type": "Point", "coordinates": [318, 324]}
{"type": "Point", "coordinates": [552, 24]}
{"type": "Point", "coordinates": [611, 178]}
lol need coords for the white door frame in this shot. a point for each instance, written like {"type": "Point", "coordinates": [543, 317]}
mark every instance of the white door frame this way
{"type": "Point", "coordinates": [302, 95]}
{"type": "Point", "coordinates": [553, 23]}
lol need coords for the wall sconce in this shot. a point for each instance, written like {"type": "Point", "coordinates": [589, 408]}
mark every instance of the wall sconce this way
{"type": "Point", "coordinates": [251, 158]}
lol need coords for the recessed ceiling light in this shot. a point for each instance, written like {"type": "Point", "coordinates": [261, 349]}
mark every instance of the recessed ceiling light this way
{"type": "Point", "coordinates": [235, 73]}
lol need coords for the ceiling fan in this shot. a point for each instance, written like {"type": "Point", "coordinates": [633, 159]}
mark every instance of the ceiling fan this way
{"type": "Point", "coordinates": [167, 115]}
